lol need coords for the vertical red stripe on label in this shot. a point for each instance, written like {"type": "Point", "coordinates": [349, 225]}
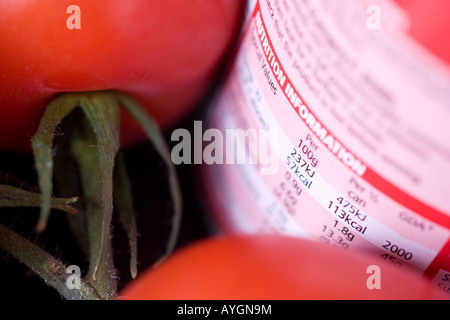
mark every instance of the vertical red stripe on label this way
{"type": "Point", "coordinates": [442, 261]}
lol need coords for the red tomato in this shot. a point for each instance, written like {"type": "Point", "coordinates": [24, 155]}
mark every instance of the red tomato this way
{"type": "Point", "coordinates": [162, 53]}
{"type": "Point", "coordinates": [428, 22]}
{"type": "Point", "coordinates": [273, 267]}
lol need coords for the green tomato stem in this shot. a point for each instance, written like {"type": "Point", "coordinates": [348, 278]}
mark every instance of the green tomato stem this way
{"type": "Point", "coordinates": [45, 265]}
{"type": "Point", "coordinates": [124, 205]}
{"type": "Point", "coordinates": [94, 145]}
{"type": "Point", "coordinates": [15, 197]}
{"type": "Point", "coordinates": [156, 137]}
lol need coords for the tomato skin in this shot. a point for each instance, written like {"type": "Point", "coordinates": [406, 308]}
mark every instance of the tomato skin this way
{"type": "Point", "coordinates": [164, 54]}
{"type": "Point", "coordinates": [272, 267]}
{"type": "Point", "coordinates": [427, 23]}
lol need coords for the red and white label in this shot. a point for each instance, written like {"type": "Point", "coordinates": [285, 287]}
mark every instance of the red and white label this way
{"type": "Point", "coordinates": [363, 144]}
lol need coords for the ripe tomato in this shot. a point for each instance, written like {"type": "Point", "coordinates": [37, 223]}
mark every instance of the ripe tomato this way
{"type": "Point", "coordinates": [162, 53]}
{"type": "Point", "coordinates": [273, 267]}
{"type": "Point", "coordinates": [427, 23]}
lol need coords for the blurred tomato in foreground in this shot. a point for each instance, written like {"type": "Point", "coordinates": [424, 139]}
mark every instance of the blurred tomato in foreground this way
{"type": "Point", "coordinates": [274, 267]}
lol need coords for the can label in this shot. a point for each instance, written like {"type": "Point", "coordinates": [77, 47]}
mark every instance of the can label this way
{"type": "Point", "coordinates": [361, 158]}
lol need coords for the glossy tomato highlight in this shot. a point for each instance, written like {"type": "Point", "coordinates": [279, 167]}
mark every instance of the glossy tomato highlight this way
{"type": "Point", "coordinates": [164, 54]}
{"type": "Point", "coordinates": [274, 267]}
